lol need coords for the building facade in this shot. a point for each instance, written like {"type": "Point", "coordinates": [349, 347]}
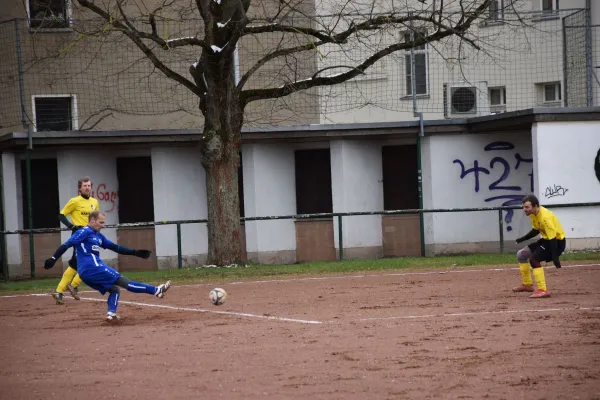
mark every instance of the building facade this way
{"type": "Point", "coordinates": [101, 109]}
{"type": "Point", "coordinates": [485, 162]}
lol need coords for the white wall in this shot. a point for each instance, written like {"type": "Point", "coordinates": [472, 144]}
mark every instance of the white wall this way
{"type": "Point", "coordinates": [179, 183]}
{"type": "Point", "coordinates": [10, 190]}
{"type": "Point", "coordinates": [443, 186]}
{"type": "Point", "coordinates": [357, 185]}
{"type": "Point", "coordinates": [565, 173]}
{"type": "Point", "coordinates": [101, 167]}
{"type": "Point", "coordinates": [269, 189]}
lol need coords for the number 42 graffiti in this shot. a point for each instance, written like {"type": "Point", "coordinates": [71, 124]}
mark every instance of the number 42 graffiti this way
{"type": "Point", "coordinates": [510, 199]}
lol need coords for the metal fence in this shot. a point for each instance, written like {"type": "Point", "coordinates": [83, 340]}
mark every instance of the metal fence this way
{"type": "Point", "coordinates": [108, 79]}
{"type": "Point", "coordinates": [338, 216]}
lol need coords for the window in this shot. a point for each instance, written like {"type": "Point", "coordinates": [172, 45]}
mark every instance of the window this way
{"type": "Point", "coordinates": [48, 14]}
{"type": "Point", "coordinates": [549, 5]}
{"type": "Point", "coordinates": [552, 92]}
{"type": "Point", "coordinates": [44, 194]}
{"type": "Point", "coordinates": [496, 11]}
{"type": "Point", "coordinates": [135, 194]}
{"type": "Point", "coordinates": [55, 113]}
{"type": "Point", "coordinates": [498, 96]}
{"type": "Point", "coordinates": [420, 61]}
{"type": "Point", "coordinates": [497, 99]}
{"type": "Point", "coordinates": [313, 181]}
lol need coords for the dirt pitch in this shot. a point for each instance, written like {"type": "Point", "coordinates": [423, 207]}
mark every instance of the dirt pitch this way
{"type": "Point", "coordinates": [454, 334]}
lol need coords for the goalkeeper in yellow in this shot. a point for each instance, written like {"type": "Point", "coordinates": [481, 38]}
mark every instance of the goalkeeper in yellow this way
{"type": "Point", "coordinates": [78, 209]}
{"type": "Point", "coordinates": [548, 248]}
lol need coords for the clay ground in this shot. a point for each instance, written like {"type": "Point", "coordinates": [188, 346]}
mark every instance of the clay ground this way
{"type": "Point", "coordinates": [415, 335]}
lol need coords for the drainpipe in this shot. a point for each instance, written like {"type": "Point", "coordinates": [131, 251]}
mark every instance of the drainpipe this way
{"type": "Point", "coordinates": [421, 134]}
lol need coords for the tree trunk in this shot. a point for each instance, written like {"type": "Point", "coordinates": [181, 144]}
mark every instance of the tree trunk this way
{"type": "Point", "coordinates": [220, 104]}
{"type": "Point", "coordinates": [224, 237]}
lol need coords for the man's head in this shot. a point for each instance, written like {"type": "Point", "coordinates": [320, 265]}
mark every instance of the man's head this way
{"type": "Point", "coordinates": [97, 220]}
{"type": "Point", "coordinates": [531, 204]}
{"type": "Point", "coordinates": [84, 185]}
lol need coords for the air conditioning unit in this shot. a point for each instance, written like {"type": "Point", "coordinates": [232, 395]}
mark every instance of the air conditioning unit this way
{"type": "Point", "coordinates": [466, 99]}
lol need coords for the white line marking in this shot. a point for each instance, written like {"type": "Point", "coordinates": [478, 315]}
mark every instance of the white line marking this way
{"type": "Point", "coordinates": [237, 314]}
{"type": "Point", "coordinates": [475, 313]}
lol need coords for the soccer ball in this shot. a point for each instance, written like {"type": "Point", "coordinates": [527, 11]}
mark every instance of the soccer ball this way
{"type": "Point", "coordinates": [217, 296]}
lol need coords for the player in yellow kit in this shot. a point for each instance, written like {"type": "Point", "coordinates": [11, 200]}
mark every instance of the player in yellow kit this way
{"type": "Point", "coordinates": [548, 248]}
{"type": "Point", "coordinates": [78, 209]}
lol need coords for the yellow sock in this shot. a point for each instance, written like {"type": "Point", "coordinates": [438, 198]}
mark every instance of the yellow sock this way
{"type": "Point", "coordinates": [67, 277]}
{"type": "Point", "coordinates": [76, 281]}
{"type": "Point", "coordinates": [540, 278]}
{"type": "Point", "coordinates": [526, 274]}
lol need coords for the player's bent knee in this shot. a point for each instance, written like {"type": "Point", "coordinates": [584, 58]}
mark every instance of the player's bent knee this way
{"type": "Point", "coordinates": [534, 263]}
{"type": "Point", "coordinates": [123, 282]}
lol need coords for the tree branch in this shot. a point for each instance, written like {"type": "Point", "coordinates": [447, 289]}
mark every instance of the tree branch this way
{"type": "Point", "coordinates": [270, 28]}
{"type": "Point", "coordinates": [262, 94]}
{"type": "Point", "coordinates": [340, 38]}
{"type": "Point", "coordinates": [136, 37]}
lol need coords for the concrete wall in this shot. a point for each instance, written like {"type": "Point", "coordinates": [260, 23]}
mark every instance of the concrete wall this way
{"type": "Point", "coordinates": [12, 211]}
{"type": "Point", "coordinates": [269, 189]}
{"type": "Point", "coordinates": [356, 176]}
{"type": "Point", "coordinates": [179, 184]}
{"type": "Point", "coordinates": [464, 171]}
{"type": "Point", "coordinates": [565, 174]}
{"type": "Point", "coordinates": [101, 167]}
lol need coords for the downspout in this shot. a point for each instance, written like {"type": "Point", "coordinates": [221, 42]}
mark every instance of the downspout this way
{"type": "Point", "coordinates": [421, 134]}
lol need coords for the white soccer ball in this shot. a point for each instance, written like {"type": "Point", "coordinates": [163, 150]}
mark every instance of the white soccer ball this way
{"type": "Point", "coordinates": [217, 296]}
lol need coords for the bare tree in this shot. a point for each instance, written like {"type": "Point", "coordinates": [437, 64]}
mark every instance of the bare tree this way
{"type": "Point", "coordinates": [300, 28]}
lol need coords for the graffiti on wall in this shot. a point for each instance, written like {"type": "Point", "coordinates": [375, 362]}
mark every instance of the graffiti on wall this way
{"type": "Point", "coordinates": [554, 191]}
{"type": "Point", "coordinates": [597, 165]}
{"type": "Point", "coordinates": [104, 194]}
{"type": "Point", "coordinates": [500, 190]}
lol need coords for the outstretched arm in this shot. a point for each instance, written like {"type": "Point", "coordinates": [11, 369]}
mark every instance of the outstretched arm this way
{"type": "Point", "coordinates": [107, 244]}
{"type": "Point", "coordinates": [49, 263]}
{"type": "Point", "coordinates": [73, 241]}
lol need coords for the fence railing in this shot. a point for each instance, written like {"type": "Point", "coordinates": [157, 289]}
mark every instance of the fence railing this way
{"type": "Point", "coordinates": [338, 215]}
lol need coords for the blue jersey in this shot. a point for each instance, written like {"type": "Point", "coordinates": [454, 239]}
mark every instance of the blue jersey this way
{"type": "Point", "coordinates": [88, 243]}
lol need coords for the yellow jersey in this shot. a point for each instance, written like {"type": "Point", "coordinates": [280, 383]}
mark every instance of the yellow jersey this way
{"type": "Point", "coordinates": [547, 224]}
{"type": "Point", "coordinates": [79, 209]}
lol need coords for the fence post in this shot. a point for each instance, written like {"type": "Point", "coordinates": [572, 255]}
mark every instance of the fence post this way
{"type": "Point", "coordinates": [179, 255]}
{"type": "Point", "coordinates": [340, 238]}
{"type": "Point", "coordinates": [501, 231]}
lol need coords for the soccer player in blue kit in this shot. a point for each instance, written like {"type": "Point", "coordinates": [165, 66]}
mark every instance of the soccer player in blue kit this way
{"type": "Point", "coordinates": [95, 273]}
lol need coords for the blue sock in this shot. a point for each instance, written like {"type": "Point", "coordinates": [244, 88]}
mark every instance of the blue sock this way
{"type": "Point", "coordinates": [137, 287]}
{"type": "Point", "coordinates": [113, 302]}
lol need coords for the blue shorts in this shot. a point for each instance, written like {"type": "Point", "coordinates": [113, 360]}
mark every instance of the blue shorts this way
{"type": "Point", "coordinates": [99, 278]}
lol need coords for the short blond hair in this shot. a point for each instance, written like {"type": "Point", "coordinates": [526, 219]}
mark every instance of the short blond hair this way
{"type": "Point", "coordinates": [95, 214]}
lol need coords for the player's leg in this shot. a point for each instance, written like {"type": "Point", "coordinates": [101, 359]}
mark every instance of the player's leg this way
{"type": "Point", "coordinates": [139, 287]}
{"type": "Point", "coordinates": [67, 277]}
{"type": "Point", "coordinates": [73, 288]}
{"type": "Point", "coordinates": [103, 280]}
{"type": "Point", "coordinates": [113, 303]}
{"type": "Point", "coordinates": [539, 255]}
{"type": "Point", "coordinates": [523, 256]}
